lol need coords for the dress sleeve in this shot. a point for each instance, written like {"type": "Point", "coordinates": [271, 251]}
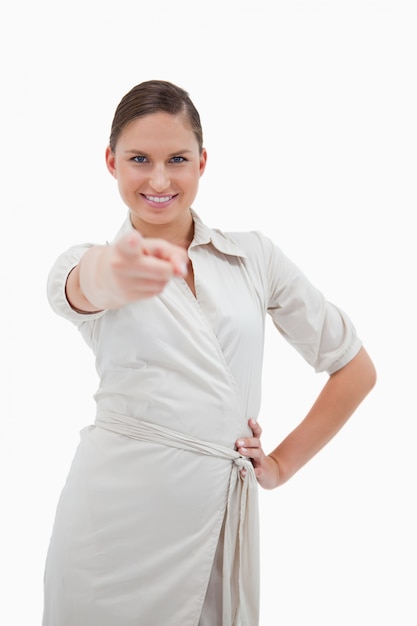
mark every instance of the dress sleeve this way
{"type": "Point", "coordinates": [319, 330]}
{"type": "Point", "coordinates": [56, 282]}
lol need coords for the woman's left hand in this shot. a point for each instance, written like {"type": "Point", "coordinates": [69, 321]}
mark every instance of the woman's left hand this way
{"type": "Point", "coordinates": [266, 468]}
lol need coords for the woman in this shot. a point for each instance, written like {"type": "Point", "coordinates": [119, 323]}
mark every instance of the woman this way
{"type": "Point", "coordinates": [157, 522]}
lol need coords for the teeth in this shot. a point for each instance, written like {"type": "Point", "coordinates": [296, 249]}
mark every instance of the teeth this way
{"type": "Point", "coordinates": [158, 198]}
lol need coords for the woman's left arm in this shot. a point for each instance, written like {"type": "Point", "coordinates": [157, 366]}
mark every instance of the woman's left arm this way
{"type": "Point", "coordinates": [339, 398]}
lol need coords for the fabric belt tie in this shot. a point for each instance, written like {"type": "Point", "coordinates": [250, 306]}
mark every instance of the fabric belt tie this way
{"type": "Point", "coordinates": [241, 523]}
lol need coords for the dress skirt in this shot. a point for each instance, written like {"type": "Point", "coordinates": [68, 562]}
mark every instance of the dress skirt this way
{"type": "Point", "coordinates": [140, 534]}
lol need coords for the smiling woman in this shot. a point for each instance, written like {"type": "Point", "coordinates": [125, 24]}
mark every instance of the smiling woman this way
{"type": "Point", "coordinates": [158, 520]}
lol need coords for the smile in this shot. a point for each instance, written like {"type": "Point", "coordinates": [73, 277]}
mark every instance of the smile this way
{"type": "Point", "coordinates": [159, 199]}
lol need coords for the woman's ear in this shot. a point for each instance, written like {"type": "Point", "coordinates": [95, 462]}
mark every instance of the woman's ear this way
{"type": "Point", "coordinates": [203, 161]}
{"type": "Point", "coordinates": [111, 161]}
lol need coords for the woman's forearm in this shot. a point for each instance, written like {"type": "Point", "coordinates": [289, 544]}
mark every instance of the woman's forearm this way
{"type": "Point", "coordinates": [339, 398]}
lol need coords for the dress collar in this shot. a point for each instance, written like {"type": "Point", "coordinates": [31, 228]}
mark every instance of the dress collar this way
{"type": "Point", "coordinates": [204, 235]}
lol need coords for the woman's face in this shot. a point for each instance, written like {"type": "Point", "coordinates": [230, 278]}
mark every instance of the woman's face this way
{"type": "Point", "coordinates": [157, 164]}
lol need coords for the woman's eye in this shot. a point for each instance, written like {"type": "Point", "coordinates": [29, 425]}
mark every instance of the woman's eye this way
{"type": "Point", "coordinates": [139, 159]}
{"type": "Point", "coordinates": [177, 159]}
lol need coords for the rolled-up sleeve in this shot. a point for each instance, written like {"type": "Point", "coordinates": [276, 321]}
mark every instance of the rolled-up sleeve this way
{"type": "Point", "coordinates": [56, 283]}
{"type": "Point", "coordinates": [320, 331]}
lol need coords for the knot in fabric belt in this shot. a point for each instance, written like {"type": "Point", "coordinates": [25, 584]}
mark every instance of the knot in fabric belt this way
{"type": "Point", "coordinates": [243, 463]}
{"type": "Point", "coordinates": [241, 523]}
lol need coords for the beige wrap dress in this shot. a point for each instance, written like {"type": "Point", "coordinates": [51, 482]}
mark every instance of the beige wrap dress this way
{"type": "Point", "coordinates": [155, 525]}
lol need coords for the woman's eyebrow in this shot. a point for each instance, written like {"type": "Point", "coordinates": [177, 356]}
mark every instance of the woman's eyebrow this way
{"type": "Point", "coordinates": [143, 153]}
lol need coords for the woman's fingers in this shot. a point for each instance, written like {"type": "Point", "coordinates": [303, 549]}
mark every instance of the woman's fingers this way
{"type": "Point", "coordinates": [133, 247]}
{"type": "Point", "coordinates": [256, 429]}
{"type": "Point", "coordinates": [251, 446]}
{"type": "Point", "coordinates": [265, 468]}
{"type": "Point", "coordinates": [165, 251]}
{"type": "Point", "coordinates": [142, 267]}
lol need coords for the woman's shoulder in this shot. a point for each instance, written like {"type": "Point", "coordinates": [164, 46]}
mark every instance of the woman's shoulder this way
{"type": "Point", "coordinates": [249, 242]}
{"type": "Point", "coordinates": [254, 243]}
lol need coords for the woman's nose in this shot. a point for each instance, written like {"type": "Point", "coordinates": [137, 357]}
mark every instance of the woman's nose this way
{"type": "Point", "coordinates": [159, 179]}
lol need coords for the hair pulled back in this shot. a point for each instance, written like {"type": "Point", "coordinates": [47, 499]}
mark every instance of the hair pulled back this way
{"type": "Point", "coordinates": [155, 96]}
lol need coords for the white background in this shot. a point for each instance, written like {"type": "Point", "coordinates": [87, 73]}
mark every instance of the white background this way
{"type": "Point", "coordinates": [309, 112]}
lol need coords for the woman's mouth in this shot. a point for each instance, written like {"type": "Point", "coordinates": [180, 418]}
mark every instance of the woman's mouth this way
{"type": "Point", "coordinates": [159, 200]}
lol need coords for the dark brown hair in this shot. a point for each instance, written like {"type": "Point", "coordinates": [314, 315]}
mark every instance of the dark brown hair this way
{"type": "Point", "coordinates": [155, 96]}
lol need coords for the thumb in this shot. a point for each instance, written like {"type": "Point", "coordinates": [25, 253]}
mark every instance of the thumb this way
{"type": "Point", "coordinates": [131, 244]}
